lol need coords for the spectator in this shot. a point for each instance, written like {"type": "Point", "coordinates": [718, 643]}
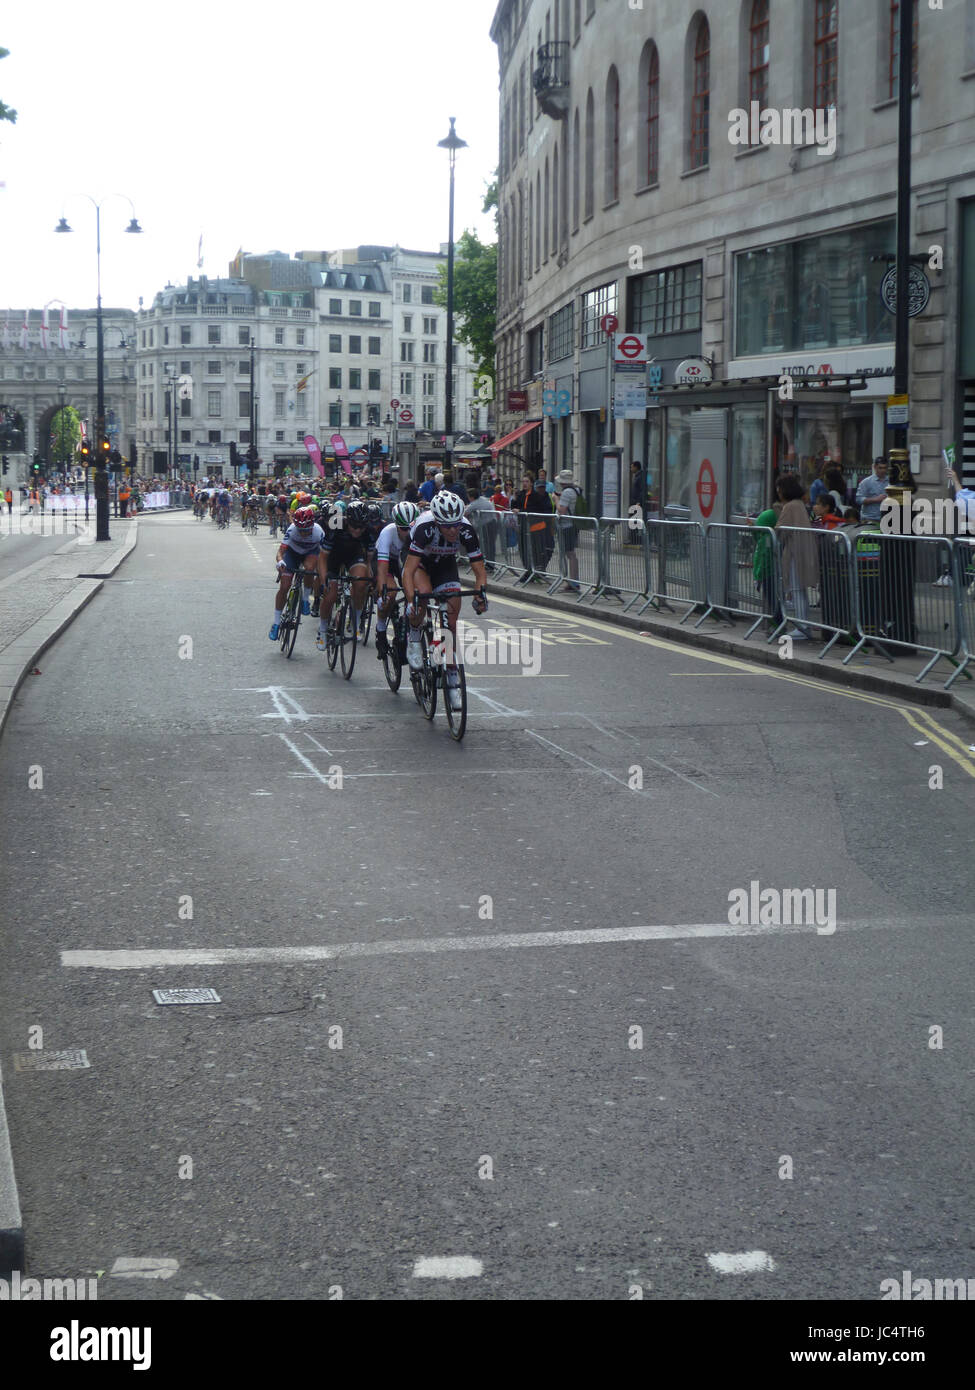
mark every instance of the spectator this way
{"type": "Point", "coordinates": [8, 497]}
{"type": "Point", "coordinates": [638, 488]}
{"type": "Point", "coordinates": [542, 477]}
{"type": "Point", "coordinates": [500, 499]}
{"type": "Point", "coordinates": [447, 480]}
{"type": "Point", "coordinates": [872, 490]}
{"type": "Point", "coordinates": [565, 500]}
{"type": "Point", "coordinates": [487, 530]}
{"type": "Point", "coordinates": [429, 487]}
{"type": "Point", "coordinates": [763, 562]}
{"type": "Point", "coordinates": [824, 516]}
{"type": "Point", "coordinates": [541, 528]}
{"type": "Point", "coordinates": [799, 558]}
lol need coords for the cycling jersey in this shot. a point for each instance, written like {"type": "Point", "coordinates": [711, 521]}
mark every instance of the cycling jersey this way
{"type": "Point", "coordinates": [428, 541]}
{"type": "Point", "coordinates": [304, 543]}
{"type": "Point", "coordinates": [223, 499]}
{"type": "Point", "coordinates": [344, 550]}
{"type": "Point", "coordinates": [389, 546]}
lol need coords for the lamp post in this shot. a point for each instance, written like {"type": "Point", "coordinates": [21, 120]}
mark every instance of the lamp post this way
{"type": "Point", "coordinates": [101, 439]}
{"type": "Point", "coordinates": [452, 144]}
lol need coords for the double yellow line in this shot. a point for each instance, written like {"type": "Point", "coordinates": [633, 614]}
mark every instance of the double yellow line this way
{"type": "Point", "coordinates": [918, 717]}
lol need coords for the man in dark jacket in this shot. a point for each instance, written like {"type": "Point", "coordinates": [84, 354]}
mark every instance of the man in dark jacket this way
{"type": "Point", "coordinates": [541, 526]}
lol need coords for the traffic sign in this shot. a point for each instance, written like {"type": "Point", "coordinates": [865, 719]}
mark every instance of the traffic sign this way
{"type": "Point", "coordinates": [898, 410]}
{"type": "Point", "coordinates": [394, 405]}
{"type": "Point", "coordinates": [630, 347]}
{"type": "Point", "coordinates": [609, 323]}
{"type": "Point", "coordinates": [707, 488]}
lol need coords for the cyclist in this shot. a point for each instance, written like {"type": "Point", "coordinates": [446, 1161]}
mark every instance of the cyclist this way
{"type": "Point", "coordinates": [301, 548]}
{"type": "Point", "coordinates": [431, 567]}
{"type": "Point", "coordinates": [270, 512]}
{"type": "Point", "coordinates": [249, 505]}
{"type": "Point", "coordinates": [389, 547]}
{"type": "Point", "coordinates": [346, 547]}
{"type": "Point", "coordinates": [223, 506]}
{"type": "Point", "coordinates": [323, 512]}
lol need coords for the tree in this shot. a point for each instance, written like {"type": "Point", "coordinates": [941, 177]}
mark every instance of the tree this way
{"type": "Point", "coordinates": [6, 112]}
{"type": "Point", "coordinates": [475, 297]}
{"type": "Point", "coordinates": [65, 437]}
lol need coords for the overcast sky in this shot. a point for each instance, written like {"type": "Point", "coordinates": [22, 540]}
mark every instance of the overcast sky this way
{"type": "Point", "coordinates": [268, 127]}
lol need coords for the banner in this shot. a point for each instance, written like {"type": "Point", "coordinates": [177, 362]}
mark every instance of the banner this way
{"type": "Point", "coordinates": [341, 452]}
{"type": "Point", "coordinates": [314, 453]}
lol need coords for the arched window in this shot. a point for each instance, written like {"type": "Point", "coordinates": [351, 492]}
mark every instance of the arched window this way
{"type": "Point", "coordinates": [588, 198]}
{"type": "Point", "coordinates": [538, 221]}
{"type": "Point", "coordinates": [894, 48]}
{"type": "Point", "coordinates": [521, 237]}
{"type": "Point", "coordinates": [611, 190]}
{"type": "Point", "coordinates": [826, 53]}
{"type": "Point", "coordinates": [556, 219]}
{"type": "Point", "coordinates": [575, 171]}
{"type": "Point", "coordinates": [701, 97]}
{"type": "Point", "coordinates": [758, 51]}
{"type": "Point", "coordinates": [531, 229]}
{"type": "Point", "coordinates": [545, 217]}
{"type": "Point", "coordinates": [648, 152]}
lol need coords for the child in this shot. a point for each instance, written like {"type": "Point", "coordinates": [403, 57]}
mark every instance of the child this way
{"type": "Point", "coordinates": [823, 514]}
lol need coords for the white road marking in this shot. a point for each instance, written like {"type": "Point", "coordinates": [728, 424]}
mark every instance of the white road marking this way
{"type": "Point", "coordinates": [320, 746]}
{"type": "Point", "coordinates": [430, 945]}
{"type": "Point", "coordinates": [746, 1262]}
{"type": "Point", "coordinates": [496, 706]}
{"type": "Point", "coordinates": [447, 1267]}
{"type": "Point", "coordinates": [138, 1267]}
{"type": "Point", "coordinates": [306, 762]}
{"type": "Point", "coordinates": [605, 772]}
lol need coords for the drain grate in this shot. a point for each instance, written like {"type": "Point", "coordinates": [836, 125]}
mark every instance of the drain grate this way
{"type": "Point", "coordinates": [73, 1059]}
{"type": "Point", "coordinates": [94, 576]}
{"type": "Point", "coordinates": [186, 996]}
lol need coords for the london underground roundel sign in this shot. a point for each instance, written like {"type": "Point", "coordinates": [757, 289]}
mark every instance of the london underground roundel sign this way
{"type": "Point", "coordinates": [707, 488]}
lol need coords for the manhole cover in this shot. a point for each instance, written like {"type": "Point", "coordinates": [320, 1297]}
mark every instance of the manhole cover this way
{"type": "Point", "coordinates": [186, 996]}
{"type": "Point", "coordinates": [71, 1060]}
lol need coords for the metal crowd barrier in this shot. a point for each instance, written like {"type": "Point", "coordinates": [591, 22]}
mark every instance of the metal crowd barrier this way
{"type": "Point", "coordinates": [743, 573]}
{"type": "Point", "coordinates": [623, 552]}
{"type": "Point", "coordinates": [817, 583]}
{"type": "Point", "coordinates": [963, 587]}
{"type": "Point", "coordinates": [676, 562]}
{"type": "Point", "coordinates": [903, 600]}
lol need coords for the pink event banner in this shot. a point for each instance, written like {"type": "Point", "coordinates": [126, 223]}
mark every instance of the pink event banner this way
{"type": "Point", "coordinates": [341, 452]}
{"type": "Point", "coordinates": [314, 453]}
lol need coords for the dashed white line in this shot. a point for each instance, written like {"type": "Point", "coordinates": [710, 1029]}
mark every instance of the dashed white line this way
{"type": "Point", "coordinates": [447, 1267]}
{"type": "Point", "coordinates": [744, 1262]}
{"type": "Point", "coordinates": [139, 1267]}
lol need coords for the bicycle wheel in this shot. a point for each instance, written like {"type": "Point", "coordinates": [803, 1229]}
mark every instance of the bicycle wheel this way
{"type": "Point", "coordinates": [367, 618]}
{"type": "Point", "coordinates": [332, 648]}
{"type": "Point", "coordinates": [293, 617]}
{"type": "Point", "coordinates": [392, 661]}
{"type": "Point", "coordinates": [425, 681]}
{"type": "Point", "coordinates": [347, 638]}
{"type": "Point", "coordinates": [456, 718]}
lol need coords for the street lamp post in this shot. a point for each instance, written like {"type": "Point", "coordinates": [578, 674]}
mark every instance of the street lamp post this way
{"type": "Point", "coordinates": [452, 144]}
{"type": "Point", "coordinates": [101, 438]}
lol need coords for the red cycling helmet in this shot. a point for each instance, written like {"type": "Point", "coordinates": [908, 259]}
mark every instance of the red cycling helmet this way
{"type": "Point", "coordinates": [305, 518]}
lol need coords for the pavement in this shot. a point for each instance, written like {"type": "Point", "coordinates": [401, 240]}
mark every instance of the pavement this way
{"type": "Point", "coordinates": [387, 1097]}
{"type": "Point", "coordinates": [37, 603]}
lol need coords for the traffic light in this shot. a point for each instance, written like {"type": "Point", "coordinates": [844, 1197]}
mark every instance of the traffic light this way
{"type": "Point", "coordinates": [85, 452]}
{"type": "Point", "coordinates": [6, 463]}
{"type": "Point", "coordinates": [234, 456]}
{"type": "Point", "coordinates": [104, 449]}
{"type": "Point", "coordinates": [252, 453]}
{"type": "Point", "coordinates": [133, 459]}
{"type": "Point", "coordinates": [376, 448]}
{"type": "Point", "coordinates": [36, 465]}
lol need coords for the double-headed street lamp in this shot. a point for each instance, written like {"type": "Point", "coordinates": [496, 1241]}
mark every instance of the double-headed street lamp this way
{"type": "Point", "coordinates": [102, 444]}
{"type": "Point", "coordinates": [452, 144]}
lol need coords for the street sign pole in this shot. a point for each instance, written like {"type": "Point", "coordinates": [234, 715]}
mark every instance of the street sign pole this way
{"type": "Point", "coordinates": [609, 324]}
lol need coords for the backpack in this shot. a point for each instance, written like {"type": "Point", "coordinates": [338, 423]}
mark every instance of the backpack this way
{"type": "Point", "coordinates": [582, 506]}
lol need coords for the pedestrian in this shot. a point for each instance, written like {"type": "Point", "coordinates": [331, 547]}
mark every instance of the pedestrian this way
{"type": "Point", "coordinates": [763, 560]}
{"type": "Point", "coordinates": [638, 489]}
{"type": "Point", "coordinates": [8, 497]}
{"type": "Point", "coordinates": [872, 489]}
{"type": "Point", "coordinates": [799, 556]}
{"type": "Point", "coordinates": [123, 499]}
{"type": "Point", "coordinates": [483, 517]}
{"type": "Point", "coordinates": [541, 528]}
{"type": "Point", "coordinates": [566, 494]}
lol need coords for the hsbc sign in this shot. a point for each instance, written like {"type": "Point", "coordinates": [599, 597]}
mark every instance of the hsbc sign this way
{"type": "Point", "coordinates": [693, 371]}
{"type": "Point", "coordinates": [630, 347]}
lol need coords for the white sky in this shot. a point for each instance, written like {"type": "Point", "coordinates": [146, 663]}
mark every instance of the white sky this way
{"type": "Point", "coordinates": [268, 127]}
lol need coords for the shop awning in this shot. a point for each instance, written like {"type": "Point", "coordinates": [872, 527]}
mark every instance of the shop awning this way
{"type": "Point", "coordinates": [499, 444]}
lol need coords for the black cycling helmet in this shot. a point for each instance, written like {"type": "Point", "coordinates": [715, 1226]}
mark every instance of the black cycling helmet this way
{"type": "Point", "coordinates": [356, 514]}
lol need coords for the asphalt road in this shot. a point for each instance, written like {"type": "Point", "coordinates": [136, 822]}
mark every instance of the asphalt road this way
{"type": "Point", "coordinates": [485, 1100]}
{"type": "Point", "coordinates": [24, 539]}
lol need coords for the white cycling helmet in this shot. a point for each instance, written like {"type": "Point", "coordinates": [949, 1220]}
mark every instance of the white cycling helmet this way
{"type": "Point", "coordinates": [447, 507]}
{"type": "Point", "coordinates": [405, 513]}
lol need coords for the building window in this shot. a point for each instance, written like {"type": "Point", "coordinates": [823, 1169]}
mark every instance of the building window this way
{"type": "Point", "coordinates": [335, 378]}
{"type": "Point", "coordinates": [406, 352]}
{"type": "Point", "coordinates": [152, 339]}
{"type": "Point", "coordinates": [355, 416]}
{"type": "Point", "coordinates": [611, 186]}
{"type": "Point", "coordinates": [244, 403]}
{"type": "Point", "coordinates": [279, 369]}
{"type": "Point", "coordinates": [556, 219]}
{"type": "Point", "coordinates": [667, 301]}
{"type": "Point", "coordinates": [589, 195]}
{"type": "Point", "coordinates": [428, 416]}
{"type": "Point", "coordinates": [185, 407]}
{"type": "Point", "coordinates": [407, 323]}
{"type": "Point", "coordinates": [375, 380]}
{"type": "Point", "coordinates": [595, 304]}
{"type": "Point", "coordinates": [279, 337]}
{"type": "Point", "coordinates": [820, 292]}
{"type": "Point", "coordinates": [826, 54]}
{"type": "Point", "coordinates": [185, 335]}
{"type": "Point", "coordinates": [213, 403]}
{"type": "Point", "coordinates": [243, 367]}
{"type": "Point", "coordinates": [278, 437]}
{"type": "Point", "coordinates": [429, 383]}
{"type": "Point", "coordinates": [355, 378]}
{"type": "Point", "coordinates": [355, 308]}
{"type": "Point", "coordinates": [375, 347]}
{"type": "Point", "coordinates": [301, 368]}
{"type": "Point", "coordinates": [429, 352]}
{"type": "Point", "coordinates": [334, 416]}
{"type": "Point", "coordinates": [335, 306]}
{"type": "Point", "coordinates": [375, 309]}
{"type": "Point", "coordinates": [534, 343]}
{"type": "Point", "coordinates": [355, 343]}
{"type": "Point", "coordinates": [243, 337]}
{"type": "Point", "coordinates": [894, 48]}
{"type": "Point", "coordinates": [407, 294]}
{"type": "Point", "coordinates": [372, 414]}
{"type": "Point", "coordinates": [279, 403]}
{"type": "Point", "coordinates": [650, 130]}
{"type": "Point", "coordinates": [758, 51]}
{"type": "Point", "coordinates": [426, 295]}
{"type": "Point", "coordinates": [335, 342]}
{"type": "Point", "coordinates": [185, 436]}
{"type": "Point", "coordinates": [560, 334]}
{"type": "Point", "coordinates": [214, 369]}
{"type": "Point", "coordinates": [184, 368]}
{"type": "Point", "coordinates": [165, 337]}
{"type": "Point", "coordinates": [213, 333]}
{"type": "Point", "coordinates": [430, 325]}
{"type": "Point", "coordinates": [701, 97]}
{"type": "Point", "coordinates": [406, 384]}
{"type": "Point", "coordinates": [300, 337]}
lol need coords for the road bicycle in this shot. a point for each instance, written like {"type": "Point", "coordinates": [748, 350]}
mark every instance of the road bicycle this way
{"type": "Point", "coordinates": [341, 636]}
{"type": "Point", "coordinates": [436, 643]}
{"type": "Point", "coordinates": [291, 613]}
{"type": "Point", "coordinates": [223, 518]}
{"type": "Point", "coordinates": [395, 656]}
{"type": "Point", "coordinates": [366, 617]}
{"type": "Point", "coordinates": [250, 523]}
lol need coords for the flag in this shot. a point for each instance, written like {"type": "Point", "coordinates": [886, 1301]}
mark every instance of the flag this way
{"type": "Point", "coordinates": [63, 342]}
{"type": "Point", "coordinates": [199, 254]}
{"type": "Point", "coordinates": [305, 380]}
{"type": "Point", "coordinates": [45, 344]}
{"type": "Point", "coordinates": [6, 332]}
{"type": "Point", "coordinates": [314, 453]}
{"type": "Point", "coordinates": [24, 332]}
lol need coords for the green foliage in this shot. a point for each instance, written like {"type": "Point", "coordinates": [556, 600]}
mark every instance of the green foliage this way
{"type": "Point", "coordinates": [6, 112]}
{"type": "Point", "coordinates": [65, 436]}
{"type": "Point", "coordinates": [475, 297]}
